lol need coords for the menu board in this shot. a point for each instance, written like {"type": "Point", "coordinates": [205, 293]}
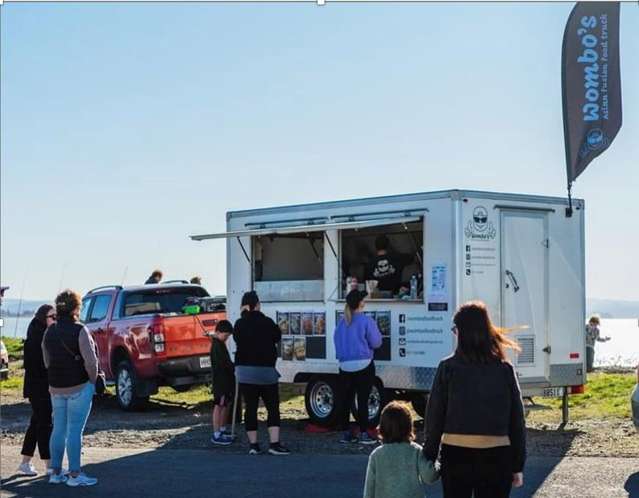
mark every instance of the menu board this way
{"type": "Point", "coordinates": [303, 335]}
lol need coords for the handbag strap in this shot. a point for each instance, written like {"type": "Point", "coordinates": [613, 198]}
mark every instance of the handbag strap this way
{"type": "Point", "coordinates": [76, 357]}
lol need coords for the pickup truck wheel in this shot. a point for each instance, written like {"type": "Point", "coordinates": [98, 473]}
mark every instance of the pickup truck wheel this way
{"type": "Point", "coordinates": [419, 405]}
{"type": "Point", "coordinates": [321, 401]}
{"type": "Point", "coordinates": [125, 388]}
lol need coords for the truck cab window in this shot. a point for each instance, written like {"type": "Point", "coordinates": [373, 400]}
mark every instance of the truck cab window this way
{"type": "Point", "coordinates": [84, 310]}
{"type": "Point", "coordinates": [386, 261]}
{"type": "Point", "coordinates": [100, 308]}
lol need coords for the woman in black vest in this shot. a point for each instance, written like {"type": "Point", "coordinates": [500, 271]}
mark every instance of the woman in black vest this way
{"type": "Point", "coordinates": [475, 411]}
{"type": "Point", "coordinates": [36, 389]}
{"type": "Point", "coordinates": [72, 363]}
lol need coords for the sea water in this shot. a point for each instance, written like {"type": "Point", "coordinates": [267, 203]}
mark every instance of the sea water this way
{"type": "Point", "coordinates": [621, 350]}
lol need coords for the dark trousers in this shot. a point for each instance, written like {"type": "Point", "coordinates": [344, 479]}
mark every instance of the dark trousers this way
{"type": "Point", "coordinates": [39, 430]}
{"type": "Point", "coordinates": [357, 383]}
{"type": "Point", "coordinates": [484, 472]}
{"type": "Point", "coordinates": [590, 359]}
{"type": "Point", "coordinates": [270, 395]}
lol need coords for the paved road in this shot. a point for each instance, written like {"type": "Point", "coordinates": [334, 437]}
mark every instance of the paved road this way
{"type": "Point", "coordinates": [196, 473]}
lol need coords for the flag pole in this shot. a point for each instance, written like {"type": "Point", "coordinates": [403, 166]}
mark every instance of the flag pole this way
{"type": "Point", "coordinates": [569, 208]}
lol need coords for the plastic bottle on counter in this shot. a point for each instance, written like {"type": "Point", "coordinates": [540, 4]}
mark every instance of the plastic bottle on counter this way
{"type": "Point", "coordinates": [413, 286]}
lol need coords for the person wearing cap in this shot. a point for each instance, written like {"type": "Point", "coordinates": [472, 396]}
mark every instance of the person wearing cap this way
{"type": "Point", "coordinates": [256, 336]}
{"type": "Point", "coordinates": [356, 338]}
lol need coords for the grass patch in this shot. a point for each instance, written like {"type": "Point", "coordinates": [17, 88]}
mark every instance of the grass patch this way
{"type": "Point", "coordinates": [15, 347]}
{"type": "Point", "coordinates": [13, 383]}
{"type": "Point", "coordinates": [607, 396]}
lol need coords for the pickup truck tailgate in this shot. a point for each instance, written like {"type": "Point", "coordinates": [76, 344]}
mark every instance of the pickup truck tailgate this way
{"type": "Point", "coordinates": [185, 335]}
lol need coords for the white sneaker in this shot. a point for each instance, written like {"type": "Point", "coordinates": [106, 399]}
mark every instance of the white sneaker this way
{"type": "Point", "coordinates": [81, 480]}
{"type": "Point", "coordinates": [57, 478]}
{"type": "Point", "coordinates": [27, 469]}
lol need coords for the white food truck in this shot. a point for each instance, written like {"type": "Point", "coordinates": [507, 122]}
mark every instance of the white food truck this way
{"type": "Point", "coordinates": [520, 254]}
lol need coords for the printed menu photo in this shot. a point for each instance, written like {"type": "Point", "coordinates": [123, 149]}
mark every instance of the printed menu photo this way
{"type": "Point", "coordinates": [294, 323]}
{"type": "Point", "coordinates": [287, 348]}
{"type": "Point", "coordinates": [299, 348]}
{"type": "Point", "coordinates": [282, 322]}
{"type": "Point", "coordinates": [319, 323]}
{"type": "Point", "coordinates": [384, 322]}
{"type": "Point", "coordinates": [307, 323]}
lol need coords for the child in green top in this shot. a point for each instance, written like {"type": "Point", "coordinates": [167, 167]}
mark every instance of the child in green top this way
{"type": "Point", "coordinates": [398, 468]}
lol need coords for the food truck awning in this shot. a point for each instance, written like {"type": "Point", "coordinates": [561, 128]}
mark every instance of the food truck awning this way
{"type": "Point", "coordinates": [316, 227]}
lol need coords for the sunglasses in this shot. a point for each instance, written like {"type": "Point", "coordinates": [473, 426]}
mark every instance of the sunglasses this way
{"type": "Point", "coordinates": [53, 317]}
{"type": "Point", "coordinates": [453, 329]}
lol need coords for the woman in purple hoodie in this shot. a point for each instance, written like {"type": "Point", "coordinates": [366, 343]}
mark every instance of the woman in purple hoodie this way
{"type": "Point", "coordinates": [356, 337]}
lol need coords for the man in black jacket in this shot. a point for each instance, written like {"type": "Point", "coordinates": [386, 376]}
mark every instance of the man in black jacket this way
{"type": "Point", "coordinates": [256, 336]}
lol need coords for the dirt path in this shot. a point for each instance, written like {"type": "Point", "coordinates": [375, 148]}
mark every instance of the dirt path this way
{"type": "Point", "coordinates": [175, 425]}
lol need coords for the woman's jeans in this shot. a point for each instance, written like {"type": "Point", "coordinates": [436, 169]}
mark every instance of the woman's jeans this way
{"type": "Point", "coordinates": [70, 413]}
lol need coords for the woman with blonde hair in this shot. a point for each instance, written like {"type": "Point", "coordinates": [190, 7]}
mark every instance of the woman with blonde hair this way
{"type": "Point", "coordinates": [356, 338]}
{"type": "Point", "coordinates": [475, 411]}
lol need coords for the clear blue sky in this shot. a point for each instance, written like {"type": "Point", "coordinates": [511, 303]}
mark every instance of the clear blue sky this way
{"type": "Point", "coordinates": [127, 127]}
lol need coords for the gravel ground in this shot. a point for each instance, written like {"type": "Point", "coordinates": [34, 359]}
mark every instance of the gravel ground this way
{"type": "Point", "coordinates": [182, 426]}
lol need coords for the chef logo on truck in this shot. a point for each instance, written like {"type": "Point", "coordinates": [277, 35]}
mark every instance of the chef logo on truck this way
{"type": "Point", "coordinates": [479, 228]}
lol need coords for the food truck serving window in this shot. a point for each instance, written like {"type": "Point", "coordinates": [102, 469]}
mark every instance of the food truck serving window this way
{"type": "Point", "coordinates": [383, 260]}
{"type": "Point", "coordinates": [289, 267]}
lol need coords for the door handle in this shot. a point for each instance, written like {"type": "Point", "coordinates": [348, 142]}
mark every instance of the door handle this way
{"type": "Point", "coordinates": [513, 280]}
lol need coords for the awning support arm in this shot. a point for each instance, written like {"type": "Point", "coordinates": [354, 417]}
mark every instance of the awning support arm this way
{"type": "Point", "coordinates": [244, 250]}
{"type": "Point", "coordinates": [330, 244]}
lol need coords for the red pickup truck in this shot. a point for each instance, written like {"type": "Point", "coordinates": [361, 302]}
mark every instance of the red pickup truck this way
{"type": "Point", "coordinates": [145, 340]}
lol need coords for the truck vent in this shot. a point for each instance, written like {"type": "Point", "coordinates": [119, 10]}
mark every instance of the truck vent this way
{"type": "Point", "coordinates": [527, 354]}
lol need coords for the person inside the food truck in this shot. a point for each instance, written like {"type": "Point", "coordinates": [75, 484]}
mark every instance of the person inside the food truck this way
{"type": "Point", "coordinates": [387, 266]}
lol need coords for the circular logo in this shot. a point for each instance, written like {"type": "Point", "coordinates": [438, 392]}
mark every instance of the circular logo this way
{"type": "Point", "coordinates": [595, 138]}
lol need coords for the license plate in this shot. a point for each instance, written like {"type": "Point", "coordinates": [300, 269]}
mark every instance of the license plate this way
{"type": "Point", "coordinates": [553, 392]}
{"type": "Point", "coordinates": [205, 362]}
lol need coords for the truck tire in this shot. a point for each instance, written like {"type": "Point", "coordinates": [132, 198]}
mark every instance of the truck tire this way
{"type": "Point", "coordinates": [377, 400]}
{"type": "Point", "coordinates": [321, 401]}
{"type": "Point", "coordinates": [126, 387]}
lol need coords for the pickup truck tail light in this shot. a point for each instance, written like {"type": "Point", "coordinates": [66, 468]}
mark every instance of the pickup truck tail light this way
{"type": "Point", "coordinates": [156, 331]}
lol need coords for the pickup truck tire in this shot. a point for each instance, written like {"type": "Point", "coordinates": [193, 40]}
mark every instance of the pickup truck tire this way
{"type": "Point", "coordinates": [419, 404]}
{"type": "Point", "coordinates": [126, 387]}
{"type": "Point", "coordinates": [321, 400]}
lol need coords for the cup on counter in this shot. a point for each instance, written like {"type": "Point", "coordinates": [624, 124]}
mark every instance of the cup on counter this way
{"type": "Point", "coordinates": [371, 287]}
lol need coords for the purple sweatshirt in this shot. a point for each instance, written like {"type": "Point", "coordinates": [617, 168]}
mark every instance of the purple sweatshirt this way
{"type": "Point", "coordinates": [357, 340]}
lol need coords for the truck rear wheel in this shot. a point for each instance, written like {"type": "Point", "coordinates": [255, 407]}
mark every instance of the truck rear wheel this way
{"type": "Point", "coordinates": [419, 404]}
{"type": "Point", "coordinates": [377, 400]}
{"type": "Point", "coordinates": [126, 388]}
{"type": "Point", "coordinates": [321, 400]}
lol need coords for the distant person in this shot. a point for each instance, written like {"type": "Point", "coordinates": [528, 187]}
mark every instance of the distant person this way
{"type": "Point", "coordinates": [398, 468]}
{"type": "Point", "coordinates": [356, 338]}
{"type": "Point", "coordinates": [36, 389]}
{"type": "Point", "coordinates": [223, 382]}
{"type": "Point", "coordinates": [256, 336]}
{"type": "Point", "coordinates": [72, 365]}
{"type": "Point", "coordinates": [476, 413]}
{"type": "Point", "coordinates": [592, 336]}
{"type": "Point", "coordinates": [196, 280]}
{"type": "Point", "coordinates": [387, 266]}
{"type": "Point", "coordinates": [155, 278]}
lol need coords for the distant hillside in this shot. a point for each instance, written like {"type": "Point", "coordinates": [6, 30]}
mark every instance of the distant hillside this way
{"type": "Point", "coordinates": [10, 306]}
{"type": "Point", "coordinates": [608, 308]}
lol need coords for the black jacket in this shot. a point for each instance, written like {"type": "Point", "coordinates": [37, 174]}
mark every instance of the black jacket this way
{"type": "Point", "coordinates": [469, 398]}
{"type": "Point", "coordinates": [36, 383]}
{"type": "Point", "coordinates": [223, 369]}
{"type": "Point", "coordinates": [256, 335]}
{"type": "Point", "coordinates": [66, 366]}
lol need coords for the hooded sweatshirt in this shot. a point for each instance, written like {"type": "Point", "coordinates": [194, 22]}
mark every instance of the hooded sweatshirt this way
{"type": "Point", "coordinates": [358, 340]}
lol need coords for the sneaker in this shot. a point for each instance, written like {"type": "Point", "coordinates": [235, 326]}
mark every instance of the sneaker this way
{"type": "Point", "coordinates": [347, 438]}
{"type": "Point", "coordinates": [227, 432]}
{"type": "Point", "coordinates": [278, 449]}
{"type": "Point", "coordinates": [255, 449]}
{"type": "Point", "coordinates": [27, 469]}
{"type": "Point", "coordinates": [221, 440]}
{"type": "Point", "coordinates": [364, 438]}
{"type": "Point", "coordinates": [81, 480]}
{"type": "Point", "coordinates": [57, 478]}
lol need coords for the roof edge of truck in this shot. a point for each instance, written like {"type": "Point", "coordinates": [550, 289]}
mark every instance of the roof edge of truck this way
{"type": "Point", "coordinates": [439, 194]}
